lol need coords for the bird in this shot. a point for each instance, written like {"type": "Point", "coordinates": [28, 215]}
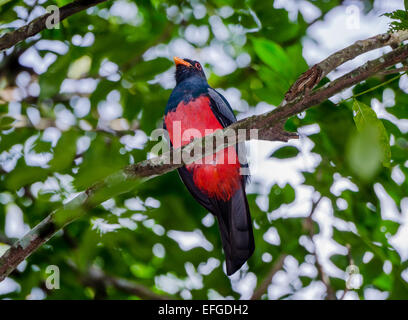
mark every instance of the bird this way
{"type": "Point", "coordinates": [196, 108]}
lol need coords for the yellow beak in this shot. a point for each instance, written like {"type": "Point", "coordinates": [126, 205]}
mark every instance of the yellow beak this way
{"type": "Point", "coordinates": [178, 61]}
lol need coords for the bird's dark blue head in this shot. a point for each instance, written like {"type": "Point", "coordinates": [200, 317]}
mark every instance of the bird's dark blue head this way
{"type": "Point", "coordinates": [186, 68]}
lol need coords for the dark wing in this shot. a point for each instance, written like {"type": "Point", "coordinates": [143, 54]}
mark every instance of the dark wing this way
{"type": "Point", "coordinates": [187, 179]}
{"type": "Point", "coordinates": [224, 114]}
{"type": "Point", "coordinates": [221, 108]}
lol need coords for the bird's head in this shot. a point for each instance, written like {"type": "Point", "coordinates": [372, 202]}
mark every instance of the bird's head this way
{"type": "Point", "coordinates": [186, 68]}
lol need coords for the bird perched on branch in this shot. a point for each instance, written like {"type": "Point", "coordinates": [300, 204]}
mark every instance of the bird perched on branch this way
{"type": "Point", "coordinates": [194, 110]}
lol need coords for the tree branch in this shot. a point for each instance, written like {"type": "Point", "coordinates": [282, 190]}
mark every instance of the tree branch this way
{"type": "Point", "coordinates": [263, 287]}
{"type": "Point", "coordinates": [315, 74]}
{"type": "Point", "coordinates": [97, 278]}
{"type": "Point", "coordinates": [331, 295]}
{"type": "Point", "coordinates": [270, 128]}
{"type": "Point", "coordinates": [37, 25]}
{"type": "Point", "coordinates": [395, 70]}
{"type": "Point", "coordinates": [113, 128]}
{"type": "Point", "coordinates": [351, 262]}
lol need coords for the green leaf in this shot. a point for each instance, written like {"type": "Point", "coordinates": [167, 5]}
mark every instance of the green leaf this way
{"type": "Point", "coordinates": [383, 282]}
{"type": "Point", "coordinates": [364, 116]}
{"type": "Point", "coordinates": [146, 70]}
{"type": "Point", "coordinates": [24, 175]}
{"type": "Point", "coordinates": [142, 271]}
{"type": "Point", "coordinates": [278, 196]}
{"type": "Point", "coordinates": [5, 122]}
{"type": "Point", "coordinates": [101, 159]}
{"type": "Point", "coordinates": [364, 154]}
{"type": "Point", "coordinates": [64, 152]}
{"type": "Point", "coordinates": [402, 20]}
{"type": "Point", "coordinates": [50, 82]}
{"type": "Point", "coordinates": [274, 56]}
{"type": "Point", "coordinates": [285, 152]}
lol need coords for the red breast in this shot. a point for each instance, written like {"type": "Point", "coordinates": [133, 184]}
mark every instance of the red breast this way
{"type": "Point", "coordinates": [216, 175]}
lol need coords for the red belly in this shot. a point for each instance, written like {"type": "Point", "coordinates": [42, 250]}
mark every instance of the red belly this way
{"type": "Point", "coordinates": [216, 175]}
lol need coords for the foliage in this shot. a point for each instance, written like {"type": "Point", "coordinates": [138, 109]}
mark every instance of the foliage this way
{"type": "Point", "coordinates": [402, 20]}
{"type": "Point", "coordinates": [103, 90]}
{"type": "Point", "coordinates": [401, 16]}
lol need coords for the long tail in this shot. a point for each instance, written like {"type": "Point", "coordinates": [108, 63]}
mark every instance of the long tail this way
{"type": "Point", "coordinates": [234, 222]}
{"type": "Point", "coordinates": [236, 230]}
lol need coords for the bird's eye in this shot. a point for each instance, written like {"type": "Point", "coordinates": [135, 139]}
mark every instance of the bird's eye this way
{"type": "Point", "coordinates": [198, 66]}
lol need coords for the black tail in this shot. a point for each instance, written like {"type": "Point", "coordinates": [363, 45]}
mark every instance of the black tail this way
{"type": "Point", "coordinates": [235, 225]}
{"type": "Point", "coordinates": [234, 221]}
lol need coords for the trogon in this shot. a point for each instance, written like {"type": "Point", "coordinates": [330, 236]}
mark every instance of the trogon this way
{"type": "Point", "coordinates": [195, 109]}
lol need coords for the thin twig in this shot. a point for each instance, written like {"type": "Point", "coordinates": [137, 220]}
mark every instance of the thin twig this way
{"type": "Point", "coordinates": [331, 295]}
{"type": "Point", "coordinates": [98, 278]}
{"type": "Point", "coordinates": [45, 123]}
{"type": "Point", "coordinates": [395, 70]}
{"type": "Point", "coordinates": [372, 88]}
{"type": "Point", "coordinates": [263, 287]}
{"type": "Point", "coordinates": [351, 262]}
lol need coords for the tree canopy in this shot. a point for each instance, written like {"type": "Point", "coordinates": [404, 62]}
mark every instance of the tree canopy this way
{"type": "Point", "coordinates": [79, 101]}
